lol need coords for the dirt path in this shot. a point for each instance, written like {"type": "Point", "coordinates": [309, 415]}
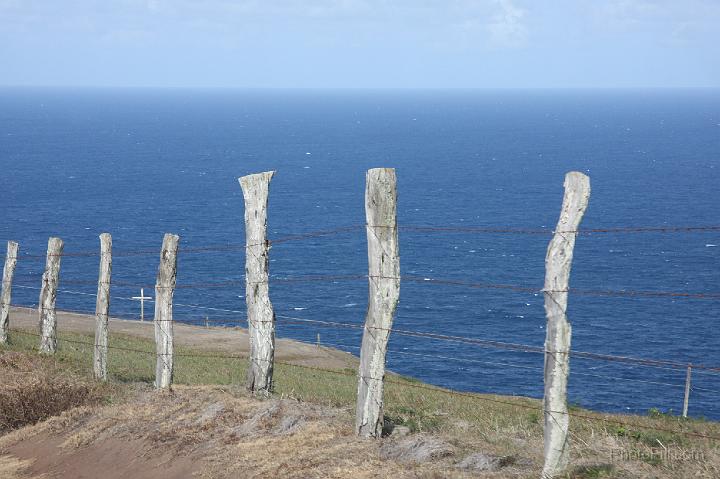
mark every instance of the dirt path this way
{"type": "Point", "coordinates": [207, 433]}
{"type": "Point", "coordinates": [110, 459]}
{"type": "Point", "coordinates": [230, 340]}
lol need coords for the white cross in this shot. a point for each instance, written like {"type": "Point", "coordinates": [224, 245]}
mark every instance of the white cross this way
{"type": "Point", "coordinates": [142, 299]}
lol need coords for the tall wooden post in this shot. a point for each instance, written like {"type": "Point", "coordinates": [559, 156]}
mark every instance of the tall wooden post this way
{"type": "Point", "coordinates": [686, 399]}
{"type": "Point", "coordinates": [164, 290]}
{"type": "Point", "coordinates": [48, 295]}
{"type": "Point", "coordinates": [383, 295]}
{"type": "Point", "coordinates": [6, 295]}
{"type": "Point", "coordinates": [102, 308]}
{"type": "Point", "coordinates": [261, 317]}
{"type": "Point", "coordinates": [558, 263]}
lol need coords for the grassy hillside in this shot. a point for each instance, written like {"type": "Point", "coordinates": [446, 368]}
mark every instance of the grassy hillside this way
{"type": "Point", "coordinates": [603, 445]}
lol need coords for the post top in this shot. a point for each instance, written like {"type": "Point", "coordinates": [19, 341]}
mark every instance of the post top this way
{"type": "Point", "coordinates": [54, 241]}
{"type": "Point", "coordinates": [577, 176]}
{"type": "Point", "coordinates": [264, 176]}
{"type": "Point", "coordinates": [171, 237]}
{"type": "Point", "coordinates": [379, 171]}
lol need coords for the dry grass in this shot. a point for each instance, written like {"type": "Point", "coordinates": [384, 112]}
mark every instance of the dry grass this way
{"type": "Point", "coordinates": [31, 391]}
{"type": "Point", "coordinates": [323, 445]}
{"type": "Point", "coordinates": [12, 467]}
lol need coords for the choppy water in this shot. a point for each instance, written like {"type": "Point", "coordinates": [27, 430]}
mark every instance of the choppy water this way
{"type": "Point", "coordinates": [139, 163]}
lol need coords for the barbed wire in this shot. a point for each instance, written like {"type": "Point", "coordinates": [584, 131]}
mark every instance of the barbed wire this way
{"type": "Point", "coordinates": [391, 352]}
{"type": "Point", "coordinates": [437, 357]}
{"type": "Point", "coordinates": [412, 228]}
{"type": "Point", "coordinates": [204, 249]}
{"type": "Point", "coordinates": [579, 291]}
{"type": "Point", "coordinates": [608, 379]}
{"type": "Point", "coordinates": [517, 347]}
{"type": "Point", "coordinates": [547, 231]}
{"type": "Point", "coordinates": [710, 295]}
{"type": "Point", "coordinates": [193, 321]}
{"type": "Point", "coordinates": [122, 298]}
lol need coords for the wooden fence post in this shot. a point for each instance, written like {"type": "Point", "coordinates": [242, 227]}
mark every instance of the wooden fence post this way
{"type": "Point", "coordinates": [686, 399]}
{"type": "Point", "coordinates": [164, 290]}
{"type": "Point", "coordinates": [102, 308]}
{"type": "Point", "coordinates": [558, 263]}
{"type": "Point", "coordinates": [6, 296]}
{"type": "Point", "coordinates": [261, 317]}
{"type": "Point", "coordinates": [383, 295]}
{"type": "Point", "coordinates": [48, 295]}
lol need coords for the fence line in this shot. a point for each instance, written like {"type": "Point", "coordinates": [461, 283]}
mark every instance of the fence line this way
{"type": "Point", "coordinates": [392, 380]}
{"type": "Point", "coordinates": [384, 280]}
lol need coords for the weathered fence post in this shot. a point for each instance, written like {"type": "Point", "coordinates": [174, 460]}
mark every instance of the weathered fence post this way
{"type": "Point", "coordinates": [383, 295]}
{"type": "Point", "coordinates": [6, 296]}
{"type": "Point", "coordinates": [558, 263]}
{"type": "Point", "coordinates": [102, 308]}
{"type": "Point", "coordinates": [686, 400]}
{"type": "Point", "coordinates": [164, 290]}
{"type": "Point", "coordinates": [48, 295]}
{"type": "Point", "coordinates": [261, 317]}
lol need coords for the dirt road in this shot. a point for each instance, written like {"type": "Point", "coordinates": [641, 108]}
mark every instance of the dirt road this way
{"type": "Point", "coordinates": [231, 340]}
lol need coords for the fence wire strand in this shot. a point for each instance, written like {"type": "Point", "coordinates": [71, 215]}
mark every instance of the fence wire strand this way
{"type": "Point", "coordinates": [411, 228]}
{"type": "Point", "coordinates": [516, 347]}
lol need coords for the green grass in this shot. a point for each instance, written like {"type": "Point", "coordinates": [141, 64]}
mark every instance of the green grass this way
{"type": "Point", "coordinates": [407, 401]}
{"type": "Point", "coordinates": [592, 472]}
{"type": "Point", "coordinates": [653, 438]}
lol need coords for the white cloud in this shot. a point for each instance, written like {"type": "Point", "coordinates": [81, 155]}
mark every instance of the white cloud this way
{"type": "Point", "coordinates": [363, 42]}
{"type": "Point", "coordinates": [507, 27]}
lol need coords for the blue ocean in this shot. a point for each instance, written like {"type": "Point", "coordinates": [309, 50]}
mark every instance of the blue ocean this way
{"type": "Point", "coordinates": [139, 163]}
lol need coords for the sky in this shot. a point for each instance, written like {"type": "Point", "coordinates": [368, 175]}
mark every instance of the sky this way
{"type": "Point", "coordinates": [361, 43]}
